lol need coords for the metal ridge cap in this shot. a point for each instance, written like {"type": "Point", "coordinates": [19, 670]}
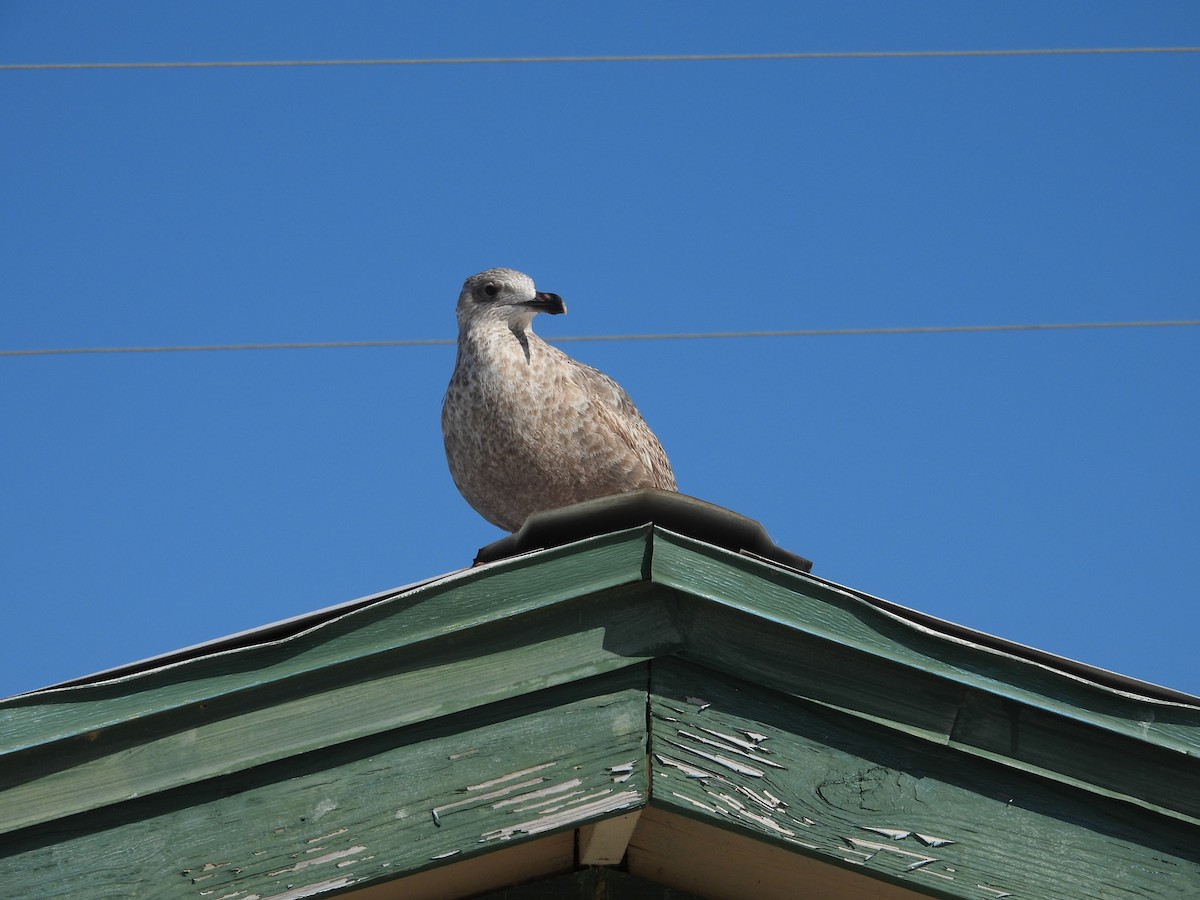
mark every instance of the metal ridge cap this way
{"type": "Point", "coordinates": [680, 513]}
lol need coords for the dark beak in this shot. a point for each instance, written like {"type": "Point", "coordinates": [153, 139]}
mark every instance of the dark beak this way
{"type": "Point", "coordinates": [547, 303]}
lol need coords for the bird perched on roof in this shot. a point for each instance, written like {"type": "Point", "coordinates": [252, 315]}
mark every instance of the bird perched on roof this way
{"type": "Point", "coordinates": [526, 427]}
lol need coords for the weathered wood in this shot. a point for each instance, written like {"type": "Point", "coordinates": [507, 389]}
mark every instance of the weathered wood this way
{"type": "Point", "coordinates": [786, 630]}
{"type": "Point", "coordinates": [360, 813]}
{"type": "Point", "coordinates": [455, 603]}
{"type": "Point", "coordinates": [841, 617]}
{"type": "Point", "coordinates": [384, 691]}
{"type": "Point", "coordinates": [603, 843]}
{"type": "Point", "coordinates": [930, 818]}
{"type": "Point", "coordinates": [798, 728]}
{"type": "Point", "coordinates": [1059, 747]}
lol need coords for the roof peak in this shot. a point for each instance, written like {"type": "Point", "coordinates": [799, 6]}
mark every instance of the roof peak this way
{"type": "Point", "coordinates": [676, 512]}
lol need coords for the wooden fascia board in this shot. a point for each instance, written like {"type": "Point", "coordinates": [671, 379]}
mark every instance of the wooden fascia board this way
{"type": "Point", "coordinates": [826, 784]}
{"type": "Point", "coordinates": [478, 596]}
{"type": "Point", "coordinates": [364, 812]}
{"type": "Point", "coordinates": [878, 805]}
{"type": "Point", "coordinates": [442, 649]}
{"type": "Point", "coordinates": [782, 629]}
{"type": "Point", "coordinates": [798, 601]}
{"type": "Point", "coordinates": [554, 617]}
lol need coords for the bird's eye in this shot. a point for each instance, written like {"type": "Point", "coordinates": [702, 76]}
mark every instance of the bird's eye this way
{"type": "Point", "coordinates": [491, 289]}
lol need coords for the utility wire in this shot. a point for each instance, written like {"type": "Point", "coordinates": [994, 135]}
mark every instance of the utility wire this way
{"type": "Point", "coordinates": [709, 335]}
{"type": "Point", "coordinates": [697, 57]}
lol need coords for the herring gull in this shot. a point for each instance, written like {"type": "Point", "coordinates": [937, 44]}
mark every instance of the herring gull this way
{"type": "Point", "coordinates": [526, 427]}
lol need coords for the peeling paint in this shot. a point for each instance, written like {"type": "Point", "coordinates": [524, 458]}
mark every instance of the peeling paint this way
{"type": "Point", "coordinates": [899, 834]}
{"type": "Point", "coordinates": [553, 803]}
{"type": "Point", "coordinates": [731, 801]}
{"type": "Point", "coordinates": [572, 814]}
{"type": "Point", "coordinates": [585, 799]}
{"type": "Point", "coordinates": [930, 871]}
{"type": "Point", "coordinates": [305, 863]}
{"type": "Point", "coordinates": [326, 837]}
{"type": "Point", "coordinates": [689, 771]}
{"type": "Point", "coordinates": [767, 800]}
{"type": "Point", "coordinates": [740, 809]}
{"type": "Point", "coordinates": [544, 792]}
{"type": "Point", "coordinates": [767, 822]}
{"type": "Point", "coordinates": [728, 748]}
{"type": "Point", "coordinates": [732, 765]}
{"type": "Point", "coordinates": [695, 803]}
{"type": "Point", "coordinates": [894, 833]}
{"type": "Point", "coordinates": [491, 795]}
{"type": "Point", "coordinates": [874, 847]}
{"type": "Point", "coordinates": [771, 798]}
{"type": "Point", "coordinates": [729, 738]}
{"type": "Point", "coordinates": [511, 776]}
{"type": "Point", "coordinates": [998, 893]}
{"type": "Point", "coordinates": [930, 841]}
{"type": "Point", "coordinates": [804, 844]}
{"type": "Point", "coordinates": [447, 854]}
{"type": "Point", "coordinates": [622, 772]}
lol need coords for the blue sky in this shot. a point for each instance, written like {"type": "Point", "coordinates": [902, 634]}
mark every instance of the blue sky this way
{"type": "Point", "coordinates": [1039, 486]}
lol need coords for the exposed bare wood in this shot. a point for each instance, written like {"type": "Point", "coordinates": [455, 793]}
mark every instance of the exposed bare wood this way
{"type": "Point", "coordinates": [604, 843]}
{"type": "Point", "coordinates": [894, 806]}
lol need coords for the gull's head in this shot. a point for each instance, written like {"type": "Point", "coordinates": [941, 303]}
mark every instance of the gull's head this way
{"type": "Point", "coordinates": [506, 297]}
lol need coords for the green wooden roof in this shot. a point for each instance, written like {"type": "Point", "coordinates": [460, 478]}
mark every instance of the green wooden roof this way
{"type": "Point", "coordinates": [640, 696]}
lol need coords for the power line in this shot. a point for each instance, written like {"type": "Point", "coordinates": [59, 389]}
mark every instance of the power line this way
{"type": "Point", "coordinates": [681, 336]}
{"type": "Point", "coordinates": [696, 57]}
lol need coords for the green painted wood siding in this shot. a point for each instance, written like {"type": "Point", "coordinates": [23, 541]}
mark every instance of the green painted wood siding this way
{"type": "Point", "coordinates": [800, 636]}
{"type": "Point", "coordinates": [167, 778]}
{"type": "Point", "coordinates": [218, 716]}
{"type": "Point", "coordinates": [927, 817]}
{"type": "Point", "coordinates": [360, 813]}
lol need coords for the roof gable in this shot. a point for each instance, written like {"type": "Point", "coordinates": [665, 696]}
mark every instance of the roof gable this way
{"type": "Point", "coordinates": [507, 706]}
